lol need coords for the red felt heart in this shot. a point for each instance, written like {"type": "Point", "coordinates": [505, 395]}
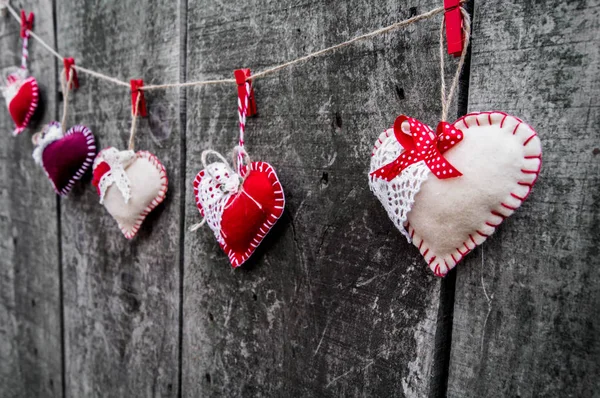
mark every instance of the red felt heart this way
{"type": "Point", "coordinates": [240, 219]}
{"type": "Point", "coordinates": [22, 99]}
{"type": "Point", "coordinates": [66, 159]}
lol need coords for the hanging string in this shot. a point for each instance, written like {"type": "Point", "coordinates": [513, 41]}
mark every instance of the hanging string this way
{"type": "Point", "coordinates": [66, 87]}
{"type": "Point", "coordinates": [24, 51]}
{"type": "Point", "coordinates": [242, 113]}
{"type": "Point", "coordinates": [446, 100]}
{"type": "Point", "coordinates": [274, 69]}
{"type": "Point", "coordinates": [134, 123]}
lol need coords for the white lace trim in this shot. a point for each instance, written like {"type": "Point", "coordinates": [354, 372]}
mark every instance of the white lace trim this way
{"type": "Point", "coordinates": [11, 89]}
{"type": "Point", "coordinates": [398, 195]}
{"type": "Point", "coordinates": [118, 162]}
{"type": "Point", "coordinates": [52, 132]}
{"type": "Point", "coordinates": [217, 186]}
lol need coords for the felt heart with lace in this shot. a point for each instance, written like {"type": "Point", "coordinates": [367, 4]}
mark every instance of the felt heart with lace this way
{"type": "Point", "coordinates": [239, 211]}
{"type": "Point", "coordinates": [448, 191]}
{"type": "Point", "coordinates": [65, 157]}
{"type": "Point", "coordinates": [130, 185]}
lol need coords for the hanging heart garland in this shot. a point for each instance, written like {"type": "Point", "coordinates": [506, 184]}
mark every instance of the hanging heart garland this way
{"type": "Point", "coordinates": [20, 91]}
{"type": "Point", "coordinates": [240, 207]}
{"type": "Point", "coordinates": [460, 189]}
{"type": "Point", "coordinates": [64, 156]}
{"type": "Point", "coordinates": [130, 185]}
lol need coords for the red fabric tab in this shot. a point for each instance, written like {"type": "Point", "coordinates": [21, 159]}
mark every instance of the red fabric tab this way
{"type": "Point", "coordinates": [26, 22]}
{"type": "Point", "coordinates": [136, 84]}
{"type": "Point", "coordinates": [68, 63]}
{"type": "Point", "coordinates": [99, 172]}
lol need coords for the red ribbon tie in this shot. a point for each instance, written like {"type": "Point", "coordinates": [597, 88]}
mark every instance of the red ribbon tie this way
{"type": "Point", "coordinates": [420, 143]}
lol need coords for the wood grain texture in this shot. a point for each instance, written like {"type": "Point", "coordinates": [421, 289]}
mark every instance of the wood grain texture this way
{"type": "Point", "coordinates": [539, 60]}
{"type": "Point", "coordinates": [335, 302]}
{"type": "Point", "coordinates": [30, 324]}
{"type": "Point", "coordinates": [122, 297]}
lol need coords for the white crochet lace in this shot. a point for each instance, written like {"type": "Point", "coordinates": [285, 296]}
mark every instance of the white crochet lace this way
{"type": "Point", "coordinates": [118, 162]}
{"type": "Point", "coordinates": [219, 183]}
{"type": "Point", "coordinates": [396, 196]}
{"type": "Point", "coordinates": [52, 132]}
{"type": "Point", "coordinates": [11, 89]}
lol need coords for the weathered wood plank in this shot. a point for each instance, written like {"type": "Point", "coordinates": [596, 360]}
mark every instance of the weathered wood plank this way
{"type": "Point", "coordinates": [538, 335]}
{"type": "Point", "coordinates": [336, 302]}
{"type": "Point", "coordinates": [30, 328]}
{"type": "Point", "coordinates": [122, 297]}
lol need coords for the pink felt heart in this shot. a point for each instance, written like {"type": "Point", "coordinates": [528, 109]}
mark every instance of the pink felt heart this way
{"type": "Point", "coordinates": [240, 215]}
{"type": "Point", "coordinates": [446, 216]}
{"type": "Point", "coordinates": [131, 185]}
{"type": "Point", "coordinates": [65, 157]}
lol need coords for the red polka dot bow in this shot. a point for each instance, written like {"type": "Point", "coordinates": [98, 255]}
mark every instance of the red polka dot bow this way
{"type": "Point", "coordinates": [420, 143]}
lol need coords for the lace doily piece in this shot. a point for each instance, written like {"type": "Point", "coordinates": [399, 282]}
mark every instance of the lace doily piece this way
{"type": "Point", "coordinates": [397, 195]}
{"type": "Point", "coordinates": [52, 132]}
{"type": "Point", "coordinates": [117, 161]}
{"type": "Point", "coordinates": [214, 191]}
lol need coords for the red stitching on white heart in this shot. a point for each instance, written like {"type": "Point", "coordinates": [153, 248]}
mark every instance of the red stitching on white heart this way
{"type": "Point", "coordinates": [529, 139]}
{"type": "Point", "coordinates": [490, 222]}
{"type": "Point", "coordinates": [156, 201]}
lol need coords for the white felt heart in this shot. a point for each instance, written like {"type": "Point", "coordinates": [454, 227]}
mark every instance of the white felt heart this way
{"type": "Point", "coordinates": [130, 185]}
{"type": "Point", "coordinates": [499, 158]}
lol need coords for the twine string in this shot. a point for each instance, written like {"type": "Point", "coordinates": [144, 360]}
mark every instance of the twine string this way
{"type": "Point", "coordinates": [66, 87]}
{"type": "Point", "coordinates": [447, 99]}
{"type": "Point", "coordinates": [266, 72]}
{"type": "Point", "coordinates": [134, 123]}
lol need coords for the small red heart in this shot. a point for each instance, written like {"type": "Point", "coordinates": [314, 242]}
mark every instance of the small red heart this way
{"type": "Point", "coordinates": [22, 99]}
{"type": "Point", "coordinates": [240, 220]}
{"type": "Point", "coordinates": [66, 159]}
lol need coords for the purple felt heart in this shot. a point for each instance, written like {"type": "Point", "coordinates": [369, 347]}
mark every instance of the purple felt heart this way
{"type": "Point", "coordinates": [66, 160]}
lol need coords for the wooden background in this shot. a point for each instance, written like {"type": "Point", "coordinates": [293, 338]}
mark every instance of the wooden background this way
{"type": "Point", "coordinates": [335, 303]}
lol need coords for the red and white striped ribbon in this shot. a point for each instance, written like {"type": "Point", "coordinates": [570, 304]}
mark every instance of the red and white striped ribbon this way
{"type": "Point", "coordinates": [242, 112]}
{"type": "Point", "coordinates": [25, 52]}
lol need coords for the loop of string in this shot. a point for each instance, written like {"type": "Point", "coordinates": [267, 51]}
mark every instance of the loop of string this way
{"type": "Point", "coordinates": [447, 99]}
{"type": "Point", "coordinates": [134, 124]}
{"type": "Point", "coordinates": [66, 87]}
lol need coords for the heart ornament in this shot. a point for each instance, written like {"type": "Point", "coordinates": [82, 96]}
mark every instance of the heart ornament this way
{"type": "Point", "coordinates": [239, 211]}
{"type": "Point", "coordinates": [448, 191]}
{"type": "Point", "coordinates": [22, 96]}
{"type": "Point", "coordinates": [65, 157]}
{"type": "Point", "coordinates": [130, 185]}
